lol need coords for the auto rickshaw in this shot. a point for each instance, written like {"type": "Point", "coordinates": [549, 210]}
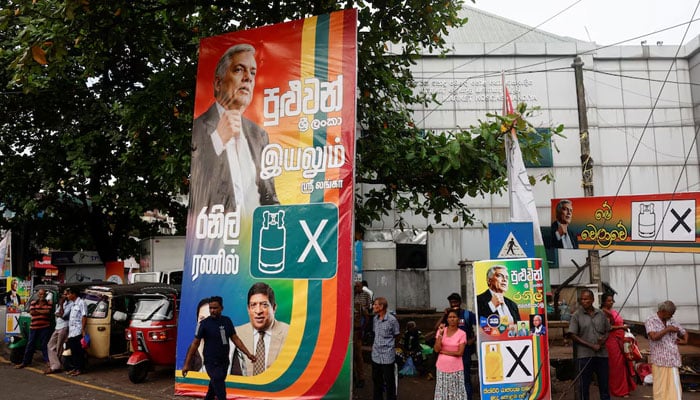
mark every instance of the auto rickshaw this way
{"type": "Point", "coordinates": [152, 333]}
{"type": "Point", "coordinates": [110, 309]}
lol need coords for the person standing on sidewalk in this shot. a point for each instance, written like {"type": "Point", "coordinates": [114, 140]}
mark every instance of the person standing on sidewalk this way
{"type": "Point", "coordinates": [386, 334]}
{"type": "Point", "coordinates": [589, 329]}
{"type": "Point", "coordinates": [466, 322]}
{"type": "Point", "coordinates": [450, 344]}
{"type": "Point", "coordinates": [39, 329]}
{"type": "Point", "coordinates": [665, 334]}
{"type": "Point", "coordinates": [59, 335]}
{"type": "Point", "coordinates": [77, 318]}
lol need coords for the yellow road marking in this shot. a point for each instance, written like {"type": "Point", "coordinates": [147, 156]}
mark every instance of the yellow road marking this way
{"type": "Point", "coordinates": [76, 382]}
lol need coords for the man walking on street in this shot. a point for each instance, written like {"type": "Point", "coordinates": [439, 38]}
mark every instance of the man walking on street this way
{"type": "Point", "coordinates": [665, 334]}
{"type": "Point", "coordinates": [386, 333]}
{"type": "Point", "coordinates": [216, 330]}
{"type": "Point", "coordinates": [39, 329]}
{"type": "Point", "coordinates": [589, 329]}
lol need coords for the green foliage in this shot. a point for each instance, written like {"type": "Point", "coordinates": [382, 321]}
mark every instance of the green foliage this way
{"type": "Point", "coordinates": [97, 100]}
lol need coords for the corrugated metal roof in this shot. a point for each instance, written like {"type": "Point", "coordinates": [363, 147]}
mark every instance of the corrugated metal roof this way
{"type": "Point", "coordinates": [483, 27]}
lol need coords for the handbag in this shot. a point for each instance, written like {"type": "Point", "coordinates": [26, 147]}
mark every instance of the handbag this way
{"type": "Point", "coordinates": [630, 348]}
{"type": "Point", "coordinates": [409, 368]}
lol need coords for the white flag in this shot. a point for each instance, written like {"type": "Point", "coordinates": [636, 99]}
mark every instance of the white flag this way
{"type": "Point", "coordinates": [522, 198]}
{"type": "Point", "coordinates": [4, 244]}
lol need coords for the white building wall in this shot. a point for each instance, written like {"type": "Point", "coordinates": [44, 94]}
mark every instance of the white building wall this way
{"type": "Point", "coordinates": [634, 150]}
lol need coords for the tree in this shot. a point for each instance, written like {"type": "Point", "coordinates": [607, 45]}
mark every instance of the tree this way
{"type": "Point", "coordinates": [96, 113]}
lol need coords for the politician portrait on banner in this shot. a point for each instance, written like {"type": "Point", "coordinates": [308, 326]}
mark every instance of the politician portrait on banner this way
{"type": "Point", "coordinates": [269, 226]}
{"type": "Point", "coordinates": [511, 328]}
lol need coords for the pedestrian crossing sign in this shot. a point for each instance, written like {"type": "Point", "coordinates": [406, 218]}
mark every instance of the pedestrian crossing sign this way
{"type": "Point", "coordinates": [511, 248]}
{"type": "Point", "coordinates": [511, 240]}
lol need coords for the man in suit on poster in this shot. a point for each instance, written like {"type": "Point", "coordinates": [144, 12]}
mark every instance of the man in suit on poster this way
{"type": "Point", "coordinates": [226, 146]}
{"type": "Point", "coordinates": [493, 300]}
{"type": "Point", "coordinates": [264, 332]}
{"type": "Point", "coordinates": [562, 237]}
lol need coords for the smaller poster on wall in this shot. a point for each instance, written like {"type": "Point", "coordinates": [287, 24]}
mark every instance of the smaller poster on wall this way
{"type": "Point", "coordinates": [512, 329]}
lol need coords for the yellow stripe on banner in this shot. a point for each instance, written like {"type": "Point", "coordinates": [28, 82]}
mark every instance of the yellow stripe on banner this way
{"type": "Point", "coordinates": [537, 351]}
{"type": "Point", "coordinates": [295, 139]}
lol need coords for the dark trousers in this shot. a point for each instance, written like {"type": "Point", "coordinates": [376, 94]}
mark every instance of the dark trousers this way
{"type": "Point", "coordinates": [217, 380]}
{"type": "Point", "coordinates": [384, 374]}
{"type": "Point", "coordinates": [77, 354]}
{"type": "Point", "coordinates": [586, 368]}
{"type": "Point", "coordinates": [40, 337]}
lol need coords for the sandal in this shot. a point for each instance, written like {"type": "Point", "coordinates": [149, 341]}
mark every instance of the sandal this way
{"type": "Point", "coordinates": [74, 373]}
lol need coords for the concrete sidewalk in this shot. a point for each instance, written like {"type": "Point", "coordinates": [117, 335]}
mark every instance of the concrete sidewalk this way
{"type": "Point", "coordinates": [423, 387]}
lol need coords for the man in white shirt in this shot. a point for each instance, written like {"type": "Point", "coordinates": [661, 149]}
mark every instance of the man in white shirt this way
{"type": "Point", "coordinates": [60, 333]}
{"type": "Point", "coordinates": [226, 146]}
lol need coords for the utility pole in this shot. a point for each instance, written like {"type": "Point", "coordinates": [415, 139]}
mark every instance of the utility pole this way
{"type": "Point", "coordinates": [586, 163]}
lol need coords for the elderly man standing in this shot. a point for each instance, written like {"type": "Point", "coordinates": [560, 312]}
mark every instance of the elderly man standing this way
{"type": "Point", "coordinates": [386, 333]}
{"type": "Point", "coordinates": [589, 329]}
{"type": "Point", "coordinates": [39, 329]}
{"type": "Point", "coordinates": [665, 334]}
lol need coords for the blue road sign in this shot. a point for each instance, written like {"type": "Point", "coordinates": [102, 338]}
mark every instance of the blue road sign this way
{"type": "Point", "coordinates": [511, 240]}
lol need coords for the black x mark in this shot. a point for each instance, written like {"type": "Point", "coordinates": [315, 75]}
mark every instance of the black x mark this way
{"type": "Point", "coordinates": [518, 361]}
{"type": "Point", "coordinates": [680, 220]}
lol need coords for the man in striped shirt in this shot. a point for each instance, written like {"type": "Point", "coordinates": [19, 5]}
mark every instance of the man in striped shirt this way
{"type": "Point", "coordinates": [665, 334]}
{"type": "Point", "coordinates": [39, 330]}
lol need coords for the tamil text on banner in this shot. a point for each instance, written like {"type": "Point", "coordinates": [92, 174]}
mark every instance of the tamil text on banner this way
{"type": "Point", "coordinates": [654, 222]}
{"type": "Point", "coordinates": [269, 227]}
{"type": "Point", "coordinates": [512, 329]}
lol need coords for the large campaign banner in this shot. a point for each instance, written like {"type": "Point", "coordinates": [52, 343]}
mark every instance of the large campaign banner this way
{"type": "Point", "coordinates": [512, 329]}
{"type": "Point", "coordinates": [666, 222]}
{"type": "Point", "coordinates": [270, 223]}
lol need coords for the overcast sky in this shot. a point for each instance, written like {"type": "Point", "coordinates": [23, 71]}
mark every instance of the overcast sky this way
{"type": "Point", "coordinates": [603, 21]}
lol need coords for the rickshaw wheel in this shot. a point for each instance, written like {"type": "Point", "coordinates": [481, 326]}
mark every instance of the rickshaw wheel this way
{"type": "Point", "coordinates": [17, 354]}
{"type": "Point", "coordinates": [139, 372]}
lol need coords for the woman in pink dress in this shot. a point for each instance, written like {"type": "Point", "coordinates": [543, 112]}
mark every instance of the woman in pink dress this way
{"type": "Point", "coordinates": [622, 376]}
{"type": "Point", "coordinates": [450, 342]}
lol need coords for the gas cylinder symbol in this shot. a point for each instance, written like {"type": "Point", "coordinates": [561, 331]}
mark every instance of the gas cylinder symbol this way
{"type": "Point", "coordinates": [646, 220]}
{"type": "Point", "coordinates": [493, 363]}
{"type": "Point", "coordinates": [273, 237]}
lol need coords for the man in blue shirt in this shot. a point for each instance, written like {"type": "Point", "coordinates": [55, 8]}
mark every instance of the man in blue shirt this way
{"type": "Point", "coordinates": [386, 333]}
{"type": "Point", "coordinates": [215, 330]}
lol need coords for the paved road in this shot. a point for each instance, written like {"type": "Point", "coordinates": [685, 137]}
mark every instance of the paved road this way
{"type": "Point", "coordinates": [109, 381]}
{"type": "Point", "coordinates": [104, 381]}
